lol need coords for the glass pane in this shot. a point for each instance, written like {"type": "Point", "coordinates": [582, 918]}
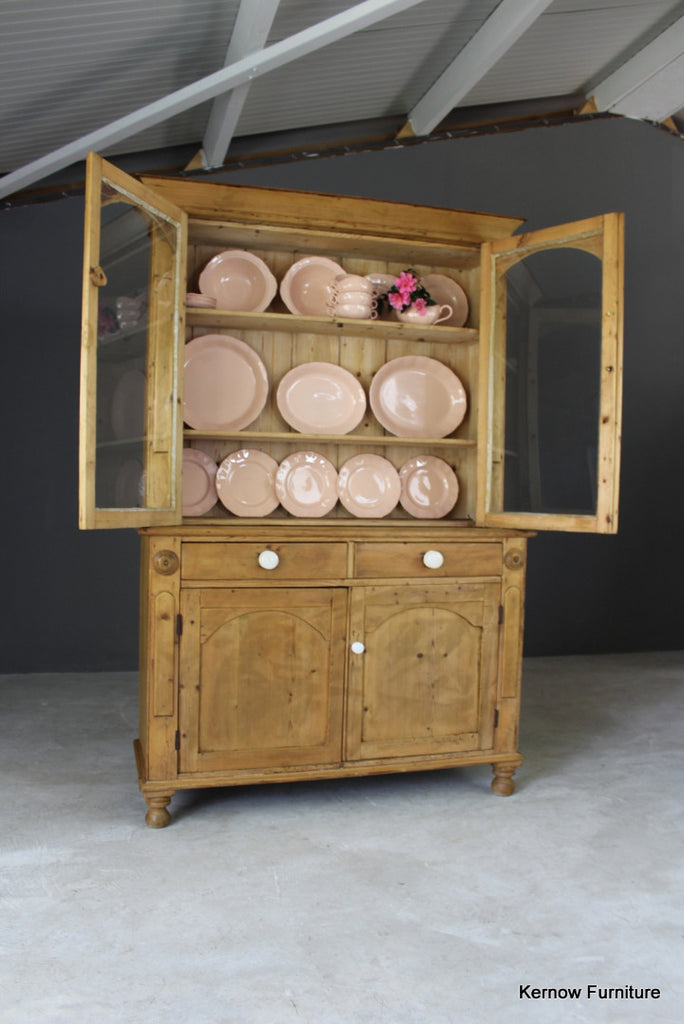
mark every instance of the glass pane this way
{"type": "Point", "coordinates": [552, 383]}
{"type": "Point", "coordinates": [137, 251]}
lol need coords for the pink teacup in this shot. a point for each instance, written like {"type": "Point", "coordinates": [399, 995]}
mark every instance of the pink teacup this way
{"type": "Point", "coordinates": [345, 283]}
{"type": "Point", "coordinates": [354, 298]}
{"type": "Point", "coordinates": [355, 310]}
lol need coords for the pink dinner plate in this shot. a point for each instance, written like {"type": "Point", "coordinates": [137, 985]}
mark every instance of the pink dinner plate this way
{"type": "Point", "coordinates": [225, 385]}
{"type": "Point", "coordinates": [199, 482]}
{"type": "Point", "coordinates": [321, 398]}
{"type": "Point", "coordinates": [128, 487]}
{"type": "Point", "coordinates": [245, 483]}
{"type": "Point", "coordinates": [238, 280]}
{"type": "Point", "coordinates": [445, 290]}
{"type": "Point", "coordinates": [368, 486]}
{"type": "Point", "coordinates": [128, 405]}
{"type": "Point", "coordinates": [416, 396]}
{"type": "Point", "coordinates": [306, 484]}
{"type": "Point", "coordinates": [305, 289]}
{"type": "Point", "coordinates": [429, 487]}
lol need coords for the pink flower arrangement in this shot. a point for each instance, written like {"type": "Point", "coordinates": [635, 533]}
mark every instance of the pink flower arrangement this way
{"type": "Point", "coordinates": [408, 291]}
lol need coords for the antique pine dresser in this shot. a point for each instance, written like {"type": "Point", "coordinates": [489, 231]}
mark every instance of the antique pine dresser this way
{"type": "Point", "coordinates": [282, 646]}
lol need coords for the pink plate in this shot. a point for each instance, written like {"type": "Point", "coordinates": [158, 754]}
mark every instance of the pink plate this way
{"type": "Point", "coordinates": [445, 290]}
{"type": "Point", "coordinates": [305, 289]}
{"type": "Point", "coordinates": [128, 405]}
{"type": "Point", "coordinates": [306, 484]}
{"type": "Point", "coordinates": [416, 396]}
{"type": "Point", "coordinates": [226, 384]}
{"type": "Point", "coordinates": [368, 486]}
{"type": "Point", "coordinates": [199, 482]}
{"type": "Point", "coordinates": [129, 485]}
{"type": "Point", "coordinates": [429, 487]}
{"type": "Point", "coordinates": [245, 483]}
{"type": "Point", "coordinates": [238, 280]}
{"type": "Point", "coordinates": [321, 398]}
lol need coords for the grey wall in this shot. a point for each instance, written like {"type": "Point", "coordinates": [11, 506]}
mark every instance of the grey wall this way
{"type": "Point", "coordinates": [71, 598]}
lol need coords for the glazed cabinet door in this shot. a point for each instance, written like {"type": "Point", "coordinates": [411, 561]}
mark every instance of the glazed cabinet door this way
{"type": "Point", "coordinates": [551, 378]}
{"type": "Point", "coordinates": [130, 414]}
{"type": "Point", "coordinates": [422, 669]}
{"type": "Point", "coordinates": [261, 678]}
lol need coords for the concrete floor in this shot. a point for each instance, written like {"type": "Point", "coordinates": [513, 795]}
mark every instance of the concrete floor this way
{"type": "Point", "coordinates": [419, 899]}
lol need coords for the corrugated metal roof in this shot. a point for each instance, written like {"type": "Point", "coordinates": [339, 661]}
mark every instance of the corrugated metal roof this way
{"type": "Point", "coordinates": [70, 67]}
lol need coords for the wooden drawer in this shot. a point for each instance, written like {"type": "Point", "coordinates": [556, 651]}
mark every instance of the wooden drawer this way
{"type": "Point", "coordinates": [394, 560]}
{"type": "Point", "coordinates": [240, 561]}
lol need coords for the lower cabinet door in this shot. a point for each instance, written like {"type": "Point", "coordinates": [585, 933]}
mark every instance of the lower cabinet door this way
{"type": "Point", "coordinates": [422, 670]}
{"type": "Point", "coordinates": [261, 678]}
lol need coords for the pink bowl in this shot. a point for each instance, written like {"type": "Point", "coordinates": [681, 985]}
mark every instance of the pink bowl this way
{"type": "Point", "coordinates": [238, 280]}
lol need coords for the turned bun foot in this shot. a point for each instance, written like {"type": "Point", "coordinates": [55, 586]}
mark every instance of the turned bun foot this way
{"type": "Point", "coordinates": [502, 783]}
{"type": "Point", "coordinates": [158, 815]}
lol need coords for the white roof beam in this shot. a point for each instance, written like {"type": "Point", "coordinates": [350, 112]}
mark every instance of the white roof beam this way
{"type": "Point", "coordinates": [244, 70]}
{"type": "Point", "coordinates": [250, 33]}
{"type": "Point", "coordinates": [505, 25]}
{"type": "Point", "coordinates": [651, 84]}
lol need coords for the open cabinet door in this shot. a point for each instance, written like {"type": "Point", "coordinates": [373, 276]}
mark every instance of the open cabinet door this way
{"type": "Point", "coordinates": [551, 378]}
{"type": "Point", "coordinates": [130, 420]}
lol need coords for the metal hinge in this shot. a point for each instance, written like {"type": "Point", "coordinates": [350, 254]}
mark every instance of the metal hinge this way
{"type": "Point", "coordinates": [177, 744]}
{"type": "Point", "coordinates": [179, 625]}
{"type": "Point", "coordinates": [496, 717]}
{"type": "Point", "coordinates": [501, 614]}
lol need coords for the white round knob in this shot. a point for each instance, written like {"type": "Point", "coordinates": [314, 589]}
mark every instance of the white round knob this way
{"type": "Point", "coordinates": [268, 559]}
{"type": "Point", "coordinates": [433, 559]}
{"type": "Point", "coordinates": [357, 647]}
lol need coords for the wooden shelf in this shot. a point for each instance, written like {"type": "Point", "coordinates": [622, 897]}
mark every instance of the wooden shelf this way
{"type": "Point", "coordinates": [362, 440]}
{"type": "Point", "coordinates": [288, 322]}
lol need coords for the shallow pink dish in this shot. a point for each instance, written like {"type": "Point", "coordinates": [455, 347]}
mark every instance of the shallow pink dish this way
{"type": "Point", "coordinates": [225, 383]}
{"type": "Point", "coordinates": [199, 482]}
{"type": "Point", "coordinates": [445, 290]}
{"type": "Point", "coordinates": [129, 484]}
{"type": "Point", "coordinates": [368, 486]}
{"type": "Point", "coordinates": [245, 483]}
{"type": "Point", "coordinates": [321, 398]}
{"type": "Point", "coordinates": [238, 280]}
{"type": "Point", "coordinates": [306, 287]}
{"type": "Point", "coordinates": [128, 405]}
{"type": "Point", "coordinates": [429, 487]}
{"type": "Point", "coordinates": [416, 396]}
{"type": "Point", "coordinates": [306, 484]}
{"type": "Point", "coordinates": [194, 299]}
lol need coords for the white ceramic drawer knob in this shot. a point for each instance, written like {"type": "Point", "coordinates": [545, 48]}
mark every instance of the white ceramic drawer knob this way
{"type": "Point", "coordinates": [357, 647]}
{"type": "Point", "coordinates": [433, 559]}
{"type": "Point", "coordinates": [268, 560]}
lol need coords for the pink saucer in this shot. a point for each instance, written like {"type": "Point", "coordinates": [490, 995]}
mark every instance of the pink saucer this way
{"type": "Point", "coordinates": [198, 301]}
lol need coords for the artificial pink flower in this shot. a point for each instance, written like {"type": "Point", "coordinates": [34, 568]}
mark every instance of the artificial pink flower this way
{"type": "Point", "coordinates": [406, 282]}
{"type": "Point", "coordinates": [396, 300]}
{"type": "Point", "coordinates": [420, 305]}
